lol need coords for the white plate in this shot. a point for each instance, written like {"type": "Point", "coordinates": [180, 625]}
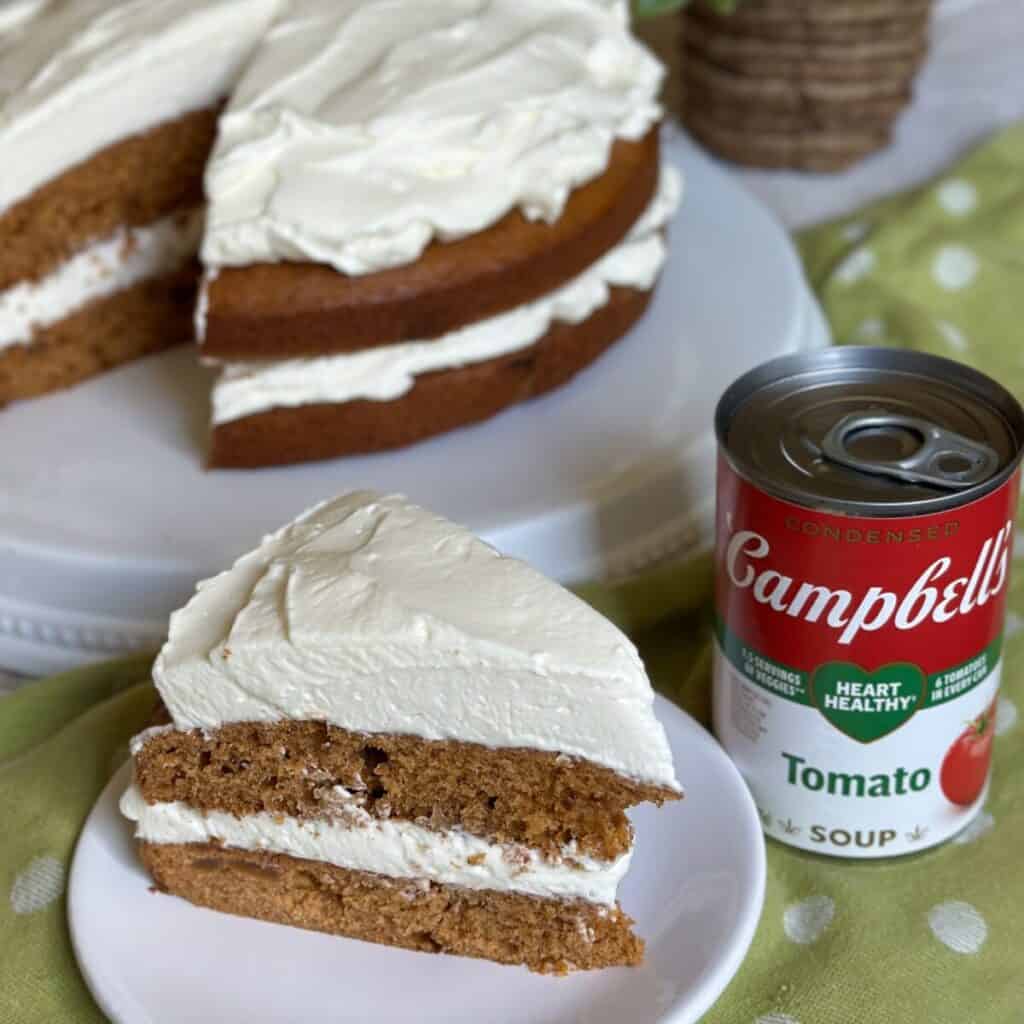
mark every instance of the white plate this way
{"type": "Point", "coordinates": [107, 517]}
{"type": "Point", "coordinates": [695, 889]}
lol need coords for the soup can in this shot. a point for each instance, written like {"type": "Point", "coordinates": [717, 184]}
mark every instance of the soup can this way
{"type": "Point", "coordinates": [865, 517]}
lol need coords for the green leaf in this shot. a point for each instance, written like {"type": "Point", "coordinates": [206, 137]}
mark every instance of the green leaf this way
{"type": "Point", "coordinates": [651, 8]}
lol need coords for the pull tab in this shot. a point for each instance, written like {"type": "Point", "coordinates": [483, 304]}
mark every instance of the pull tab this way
{"type": "Point", "coordinates": [909, 449]}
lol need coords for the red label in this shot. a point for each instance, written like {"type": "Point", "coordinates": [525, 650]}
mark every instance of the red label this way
{"type": "Point", "coordinates": [804, 587]}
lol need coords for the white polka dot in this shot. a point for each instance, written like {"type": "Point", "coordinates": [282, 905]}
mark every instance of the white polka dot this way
{"type": "Point", "coordinates": [806, 921]}
{"type": "Point", "coordinates": [870, 329]}
{"type": "Point", "coordinates": [958, 926]}
{"type": "Point", "coordinates": [955, 267]}
{"type": "Point", "coordinates": [858, 264]}
{"type": "Point", "coordinates": [957, 196]}
{"type": "Point", "coordinates": [854, 231]}
{"type": "Point", "coordinates": [776, 1018]}
{"type": "Point", "coordinates": [1018, 545]}
{"type": "Point", "coordinates": [980, 825]}
{"type": "Point", "coordinates": [1006, 715]}
{"type": "Point", "coordinates": [38, 885]}
{"type": "Point", "coordinates": [954, 337]}
{"type": "Point", "coordinates": [1014, 623]}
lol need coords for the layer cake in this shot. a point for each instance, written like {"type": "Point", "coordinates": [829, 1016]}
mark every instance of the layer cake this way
{"type": "Point", "coordinates": [800, 83]}
{"type": "Point", "coordinates": [421, 213]}
{"type": "Point", "coordinates": [412, 215]}
{"type": "Point", "coordinates": [374, 725]}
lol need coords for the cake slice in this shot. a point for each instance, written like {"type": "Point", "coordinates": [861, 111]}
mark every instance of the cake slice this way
{"type": "Point", "coordinates": [108, 113]}
{"type": "Point", "coordinates": [374, 725]}
{"type": "Point", "coordinates": [422, 213]}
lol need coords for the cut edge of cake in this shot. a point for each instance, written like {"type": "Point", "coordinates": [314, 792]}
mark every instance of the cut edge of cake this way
{"type": "Point", "coordinates": [101, 197]}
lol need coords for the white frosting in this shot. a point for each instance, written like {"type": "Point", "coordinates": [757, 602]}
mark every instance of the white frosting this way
{"type": "Point", "coordinates": [374, 615]}
{"type": "Point", "coordinates": [391, 847]}
{"type": "Point", "coordinates": [203, 302]}
{"type": "Point", "coordinates": [127, 257]}
{"type": "Point", "coordinates": [78, 75]}
{"type": "Point", "coordinates": [361, 131]}
{"type": "Point", "coordinates": [387, 372]}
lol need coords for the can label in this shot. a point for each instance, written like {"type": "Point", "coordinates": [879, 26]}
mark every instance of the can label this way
{"type": "Point", "coordinates": [857, 665]}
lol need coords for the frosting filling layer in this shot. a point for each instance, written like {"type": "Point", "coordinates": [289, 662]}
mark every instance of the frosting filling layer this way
{"type": "Point", "coordinates": [374, 615]}
{"type": "Point", "coordinates": [360, 132]}
{"type": "Point", "coordinates": [387, 372]}
{"type": "Point", "coordinates": [395, 848]}
{"type": "Point", "coordinates": [76, 77]}
{"type": "Point", "coordinates": [124, 259]}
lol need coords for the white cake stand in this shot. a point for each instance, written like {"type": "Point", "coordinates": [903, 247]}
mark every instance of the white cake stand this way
{"type": "Point", "coordinates": [107, 517]}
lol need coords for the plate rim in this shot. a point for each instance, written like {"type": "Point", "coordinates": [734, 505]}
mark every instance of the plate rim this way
{"type": "Point", "coordinates": [688, 1006]}
{"type": "Point", "coordinates": [709, 991]}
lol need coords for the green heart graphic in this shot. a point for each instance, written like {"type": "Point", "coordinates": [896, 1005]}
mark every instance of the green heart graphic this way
{"type": "Point", "coordinates": [867, 705]}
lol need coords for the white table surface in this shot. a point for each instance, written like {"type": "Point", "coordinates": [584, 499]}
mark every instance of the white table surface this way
{"type": "Point", "coordinates": [971, 85]}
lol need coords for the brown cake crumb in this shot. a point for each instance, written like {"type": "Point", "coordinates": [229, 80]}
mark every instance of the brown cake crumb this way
{"type": "Point", "coordinates": [305, 769]}
{"type": "Point", "coordinates": [549, 936]}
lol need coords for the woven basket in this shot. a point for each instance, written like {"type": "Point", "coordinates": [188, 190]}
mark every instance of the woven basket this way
{"type": "Point", "coordinates": [808, 84]}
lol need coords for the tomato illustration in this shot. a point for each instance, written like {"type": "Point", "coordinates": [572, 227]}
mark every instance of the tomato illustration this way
{"type": "Point", "coordinates": [965, 766]}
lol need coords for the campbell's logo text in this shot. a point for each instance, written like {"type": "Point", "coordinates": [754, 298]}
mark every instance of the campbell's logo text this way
{"type": "Point", "coordinates": [937, 594]}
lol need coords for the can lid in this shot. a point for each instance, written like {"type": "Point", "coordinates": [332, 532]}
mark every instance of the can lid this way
{"type": "Point", "coordinates": [871, 431]}
{"type": "Point", "coordinates": [909, 448]}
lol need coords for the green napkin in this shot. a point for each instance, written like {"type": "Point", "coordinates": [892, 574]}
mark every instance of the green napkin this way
{"type": "Point", "coordinates": [932, 939]}
{"type": "Point", "coordinates": [939, 269]}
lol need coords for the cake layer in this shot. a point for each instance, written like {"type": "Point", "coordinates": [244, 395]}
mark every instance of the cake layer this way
{"type": "Point", "coordinates": [130, 184]}
{"type": "Point", "coordinates": [553, 936]}
{"type": "Point", "coordinates": [360, 132]}
{"type": "Point", "coordinates": [283, 310]}
{"type": "Point", "coordinates": [350, 838]}
{"type": "Point", "coordinates": [120, 261]}
{"type": "Point", "coordinates": [77, 77]}
{"type": "Point", "coordinates": [308, 769]}
{"type": "Point", "coordinates": [146, 317]}
{"type": "Point", "coordinates": [374, 615]}
{"type": "Point", "coordinates": [387, 372]}
{"type": "Point", "coordinates": [438, 402]}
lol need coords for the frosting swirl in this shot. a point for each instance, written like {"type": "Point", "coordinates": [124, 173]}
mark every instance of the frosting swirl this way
{"type": "Point", "coordinates": [79, 75]}
{"type": "Point", "coordinates": [362, 131]}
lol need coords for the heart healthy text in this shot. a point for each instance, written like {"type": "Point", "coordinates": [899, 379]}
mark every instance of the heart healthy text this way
{"type": "Point", "coordinates": [851, 696]}
{"type": "Point", "coordinates": [875, 608]}
{"type": "Point", "coordinates": [897, 783]}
